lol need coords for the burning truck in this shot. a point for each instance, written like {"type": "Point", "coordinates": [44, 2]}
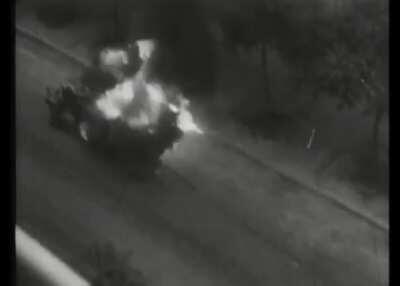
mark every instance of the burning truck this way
{"type": "Point", "coordinates": [134, 118]}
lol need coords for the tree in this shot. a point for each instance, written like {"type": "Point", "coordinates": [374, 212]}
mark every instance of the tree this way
{"type": "Point", "coordinates": [339, 51]}
{"type": "Point", "coordinates": [355, 67]}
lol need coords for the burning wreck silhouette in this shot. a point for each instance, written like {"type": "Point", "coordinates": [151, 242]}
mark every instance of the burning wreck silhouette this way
{"type": "Point", "coordinates": [130, 118]}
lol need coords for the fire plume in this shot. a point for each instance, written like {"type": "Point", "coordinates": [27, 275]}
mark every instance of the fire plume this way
{"type": "Point", "coordinates": [139, 102]}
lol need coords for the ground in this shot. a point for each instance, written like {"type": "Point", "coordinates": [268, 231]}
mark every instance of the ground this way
{"type": "Point", "coordinates": [212, 216]}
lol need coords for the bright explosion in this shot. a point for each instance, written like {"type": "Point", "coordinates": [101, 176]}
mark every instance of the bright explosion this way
{"type": "Point", "coordinates": [138, 102]}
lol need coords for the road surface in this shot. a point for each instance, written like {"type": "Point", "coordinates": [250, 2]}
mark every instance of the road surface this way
{"type": "Point", "coordinates": [70, 200]}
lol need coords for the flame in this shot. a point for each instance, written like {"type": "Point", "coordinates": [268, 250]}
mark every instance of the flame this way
{"type": "Point", "coordinates": [113, 57]}
{"type": "Point", "coordinates": [111, 103]}
{"type": "Point", "coordinates": [185, 119]}
{"type": "Point", "coordinates": [139, 103]}
{"type": "Point", "coordinates": [187, 124]}
{"type": "Point", "coordinates": [146, 48]}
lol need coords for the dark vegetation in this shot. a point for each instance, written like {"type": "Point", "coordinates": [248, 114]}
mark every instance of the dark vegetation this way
{"type": "Point", "coordinates": [338, 50]}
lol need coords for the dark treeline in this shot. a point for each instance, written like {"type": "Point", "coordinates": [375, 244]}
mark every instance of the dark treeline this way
{"type": "Point", "coordinates": [334, 48]}
{"type": "Point", "coordinates": [338, 49]}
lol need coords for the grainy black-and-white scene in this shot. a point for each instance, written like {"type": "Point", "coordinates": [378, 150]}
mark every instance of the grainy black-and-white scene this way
{"type": "Point", "coordinates": [202, 142]}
